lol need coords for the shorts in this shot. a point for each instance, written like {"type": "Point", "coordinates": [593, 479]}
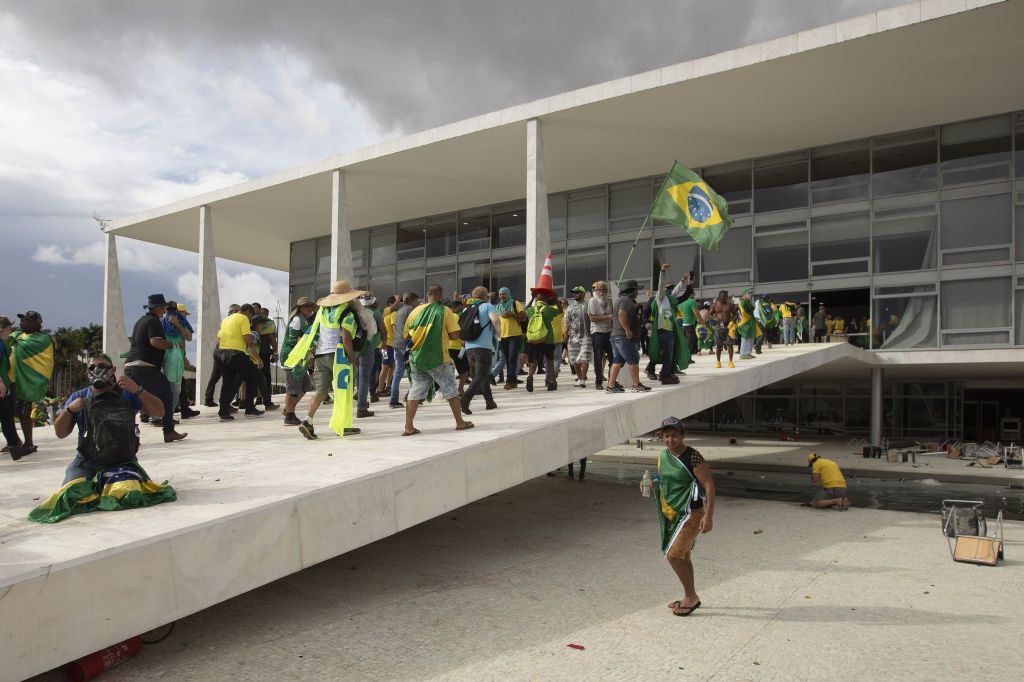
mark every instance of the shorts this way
{"type": "Point", "coordinates": [829, 494]}
{"type": "Point", "coordinates": [625, 351]}
{"type": "Point", "coordinates": [686, 538]}
{"type": "Point", "coordinates": [387, 356]}
{"type": "Point", "coordinates": [296, 387]}
{"type": "Point", "coordinates": [461, 363]}
{"type": "Point", "coordinates": [23, 408]}
{"type": "Point", "coordinates": [421, 382]}
{"type": "Point", "coordinates": [580, 350]}
{"type": "Point", "coordinates": [537, 352]}
{"type": "Point", "coordinates": [722, 337]}
{"type": "Point", "coordinates": [323, 374]}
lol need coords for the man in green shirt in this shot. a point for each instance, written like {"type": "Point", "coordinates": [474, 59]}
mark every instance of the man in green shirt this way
{"type": "Point", "coordinates": [688, 309]}
{"type": "Point", "coordinates": [540, 347]}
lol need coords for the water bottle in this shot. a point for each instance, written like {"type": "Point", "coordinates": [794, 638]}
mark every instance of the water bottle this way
{"type": "Point", "coordinates": [645, 484]}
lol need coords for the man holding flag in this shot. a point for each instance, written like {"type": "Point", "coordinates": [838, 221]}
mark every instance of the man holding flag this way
{"type": "Point", "coordinates": [332, 330]}
{"type": "Point", "coordinates": [430, 327]}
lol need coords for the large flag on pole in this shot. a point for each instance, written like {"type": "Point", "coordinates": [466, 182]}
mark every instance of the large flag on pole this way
{"type": "Point", "coordinates": [687, 201]}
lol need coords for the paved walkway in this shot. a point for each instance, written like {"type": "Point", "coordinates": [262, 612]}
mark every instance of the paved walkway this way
{"type": "Point", "coordinates": [496, 590]}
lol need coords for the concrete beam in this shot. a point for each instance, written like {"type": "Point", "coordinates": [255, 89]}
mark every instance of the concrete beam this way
{"type": "Point", "coordinates": [538, 235]}
{"type": "Point", "coordinates": [115, 339]}
{"type": "Point", "coordinates": [209, 314]}
{"type": "Point", "coordinates": [341, 237]}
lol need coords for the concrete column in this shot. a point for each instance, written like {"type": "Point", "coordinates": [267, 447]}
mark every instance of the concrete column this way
{"type": "Point", "coordinates": [115, 340]}
{"type": "Point", "coordinates": [538, 235]}
{"type": "Point", "coordinates": [877, 405]}
{"type": "Point", "coordinates": [209, 314]}
{"type": "Point", "coordinates": [341, 238]}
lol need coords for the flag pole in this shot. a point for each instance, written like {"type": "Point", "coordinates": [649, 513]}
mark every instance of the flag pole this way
{"type": "Point", "coordinates": [643, 225]}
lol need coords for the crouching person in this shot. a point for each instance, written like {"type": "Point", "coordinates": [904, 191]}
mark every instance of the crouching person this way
{"type": "Point", "coordinates": [105, 473]}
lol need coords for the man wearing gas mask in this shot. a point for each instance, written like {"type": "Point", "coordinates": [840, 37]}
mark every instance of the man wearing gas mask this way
{"type": "Point", "coordinates": [103, 380]}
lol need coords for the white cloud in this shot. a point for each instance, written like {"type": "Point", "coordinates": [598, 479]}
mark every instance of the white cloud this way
{"type": "Point", "coordinates": [132, 256]}
{"type": "Point", "coordinates": [268, 287]}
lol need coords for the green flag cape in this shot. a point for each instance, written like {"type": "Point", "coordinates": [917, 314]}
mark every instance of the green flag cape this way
{"type": "Point", "coordinates": [31, 364]}
{"type": "Point", "coordinates": [429, 345]}
{"type": "Point", "coordinates": [745, 326]}
{"type": "Point", "coordinates": [122, 486]}
{"type": "Point", "coordinates": [341, 412]}
{"type": "Point", "coordinates": [676, 488]}
{"type": "Point", "coordinates": [687, 201]}
{"type": "Point", "coordinates": [654, 346]}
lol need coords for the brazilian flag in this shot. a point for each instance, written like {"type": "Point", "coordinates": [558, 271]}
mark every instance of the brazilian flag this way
{"type": "Point", "coordinates": [687, 201]}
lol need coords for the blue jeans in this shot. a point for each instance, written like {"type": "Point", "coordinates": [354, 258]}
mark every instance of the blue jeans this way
{"type": "Point", "coordinates": [557, 355]}
{"type": "Point", "coordinates": [624, 351]}
{"type": "Point", "coordinates": [508, 359]}
{"type": "Point", "coordinates": [401, 358]}
{"type": "Point", "coordinates": [364, 378]}
{"type": "Point", "coordinates": [746, 345]}
{"type": "Point", "coordinates": [788, 330]}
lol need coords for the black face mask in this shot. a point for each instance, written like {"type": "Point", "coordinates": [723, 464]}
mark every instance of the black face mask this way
{"type": "Point", "coordinates": [100, 377]}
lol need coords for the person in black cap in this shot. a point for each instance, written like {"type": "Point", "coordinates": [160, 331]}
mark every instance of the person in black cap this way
{"type": "Point", "coordinates": [146, 357]}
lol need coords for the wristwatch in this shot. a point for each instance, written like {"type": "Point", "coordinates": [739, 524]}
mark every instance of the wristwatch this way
{"type": "Point", "coordinates": [139, 390]}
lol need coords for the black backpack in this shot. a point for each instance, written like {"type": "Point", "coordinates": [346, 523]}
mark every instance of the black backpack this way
{"type": "Point", "coordinates": [109, 429]}
{"type": "Point", "coordinates": [470, 328]}
{"type": "Point", "coordinates": [359, 338]}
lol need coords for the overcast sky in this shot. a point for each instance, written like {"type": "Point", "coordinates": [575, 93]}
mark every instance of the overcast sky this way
{"type": "Point", "coordinates": [114, 106]}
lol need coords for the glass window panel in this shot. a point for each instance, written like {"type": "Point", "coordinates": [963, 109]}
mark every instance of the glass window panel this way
{"type": "Point", "coordinates": [736, 414]}
{"type": "Point", "coordinates": [847, 268]}
{"type": "Point", "coordinates": [510, 273]}
{"type": "Point", "coordinates": [1018, 156]}
{"type": "Point", "coordinates": [904, 322]}
{"type": "Point", "coordinates": [977, 221]}
{"type": "Point", "coordinates": [841, 236]}
{"type": "Point", "coordinates": [472, 275]}
{"type": "Point", "coordinates": [760, 228]}
{"type": "Point", "coordinates": [906, 243]}
{"type": "Point", "coordinates": [1018, 215]}
{"type": "Point", "coordinates": [556, 216]}
{"type": "Point", "coordinates": [408, 280]}
{"type": "Point", "coordinates": [639, 266]}
{"type": "Point", "coordinates": [733, 183]}
{"type": "Point", "coordinates": [781, 257]}
{"type": "Point", "coordinates": [821, 413]}
{"type": "Point", "coordinates": [630, 199]}
{"type": "Point", "coordinates": [509, 228]}
{"type": "Point", "coordinates": [840, 172]}
{"type": "Point", "coordinates": [588, 216]}
{"type": "Point", "coordinates": [1019, 319]}
{"type": "Point", "coordinates": [975, 338]}
{"type": "Point", "coordinates": [733, 252]}
{"type": "Point", "coordinates": [902, 164]}
{"type": "Point", "coordinates": [323, 257]}
{"type": "Point", "coordinates": [441, 236]}
{"type": "Point", "coordinates": [475, 230]}
{"type": "Point", "coordinates": [683, 258]}
{"type": "Point", "coordinates": [858, 414]}
{"type": "Point", "coordinates": [382, 246]}
{"type": "Point", "coordinates": [382, 281]}
{"type": "Point", "coordinates": [997, 255]}
{"type": "Point", "coordinates": [776, 413]}
{"type": "Point", "coordinates": [557, 264]}
{"type": "Point", "coordinates": [976, 303]}
{"type": "Point", "coordinates": [303, 260]}
{"type": "Point", "coordinates": [446, 279]}
{"type": "Point", "coordinates": [976, 151]}
{"type": "Point", "coordinates": [362, 281]}
{"type": "Point", "coordinates": [781, 187]}
{"type": "Point", "coordinates": [360, 248]}
{"type": "Point", "coordinates": [585, 266]}
{"type": "Point", "coordinates": [906, 289]}
{"type": "Point", "coordinates": [410, 240]}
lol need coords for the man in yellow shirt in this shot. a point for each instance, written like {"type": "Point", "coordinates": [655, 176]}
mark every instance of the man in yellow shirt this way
{"type": "Point", "coordinates": [431, 326]}
{"type": "Point", "coordinates": [241, 361]}
{"type": "Point", "coordinates": [827, 474]}
{"type": "Point", "coordinates": [387, 367]}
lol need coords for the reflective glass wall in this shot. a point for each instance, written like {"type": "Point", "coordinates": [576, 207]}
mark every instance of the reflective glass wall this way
{"type": "Point", "coordinates": [930, 222]}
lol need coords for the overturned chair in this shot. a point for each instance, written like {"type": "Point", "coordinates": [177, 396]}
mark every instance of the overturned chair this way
{"type": "Point", "coordinates": [965, 528]}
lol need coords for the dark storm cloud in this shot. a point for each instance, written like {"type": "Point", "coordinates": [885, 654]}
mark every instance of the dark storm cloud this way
{"type": "Point", "coordinates": [414, 65]}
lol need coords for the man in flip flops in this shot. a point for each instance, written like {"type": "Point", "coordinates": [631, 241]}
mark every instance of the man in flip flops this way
{"type": "Point", "coordinates": [430, 327]}
{"type": "Point", "coordinates": [827, 474]}
{"type": "Point", "coordinates": [685, 495]}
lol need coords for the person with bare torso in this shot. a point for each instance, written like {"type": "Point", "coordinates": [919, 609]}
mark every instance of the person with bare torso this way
{"type": "Point", "coordinates": [723, 312]}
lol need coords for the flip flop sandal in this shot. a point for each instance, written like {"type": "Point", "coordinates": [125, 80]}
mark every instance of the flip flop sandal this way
{"type": "Point", "coordinates": [676, 604]}
{"type": "Point", "coordinates": [411, 433]}
{"type": "Point", "coordinates": [685, 611]}
{"type": "Point", "coordinates": [465, 427]}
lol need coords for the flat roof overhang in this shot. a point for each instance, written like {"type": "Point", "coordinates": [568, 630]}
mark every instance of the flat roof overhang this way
{"type": "Point", "coordinates": [912, 66]}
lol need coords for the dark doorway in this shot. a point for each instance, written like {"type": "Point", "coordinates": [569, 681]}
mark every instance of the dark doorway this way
{"type": "Point", "coordinates": [852, 306]}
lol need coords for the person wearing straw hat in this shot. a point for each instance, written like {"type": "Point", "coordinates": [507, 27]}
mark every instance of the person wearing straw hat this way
{"type": "Point", "coordinates": [331, 338]}
{"type": "Point", "coordinates": [296, 380]}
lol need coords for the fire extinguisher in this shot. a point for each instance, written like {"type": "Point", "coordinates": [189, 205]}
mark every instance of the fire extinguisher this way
{"type": "Point", "coordinates": [91, 666]}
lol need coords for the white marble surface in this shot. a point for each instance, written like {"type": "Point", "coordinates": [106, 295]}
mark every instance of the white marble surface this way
{"type": "Point", "coordinates": [258, 502]}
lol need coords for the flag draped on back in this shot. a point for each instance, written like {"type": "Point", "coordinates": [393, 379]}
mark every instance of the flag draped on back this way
{"type": "Point", "coordinates": [31, 364]}
{"type": "Point", "coordinates": [427, 332]}
{"type": "Point", "coordinates": [687, 201]}
{"type": "Point", "coordinates": [677, 488]}
{"type": "Point", "coordinates": [122, 486]}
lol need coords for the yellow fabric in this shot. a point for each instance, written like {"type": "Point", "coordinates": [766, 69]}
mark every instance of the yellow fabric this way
{"type": "Point", "coordinates": [786, 312]}
{"type": "Point", "coordinates": [828, 473]}
{"type": "Point", "coordinates": [830, 326]}
{"type": "Point", "coordinates": [556, 327]}
{"type": "Point", "coordinates": [509, 327]}
{"type": "Point", "coordinates": [389, 323]}
{"type": "Point", "coordinates": [840, 326]}
{"type": "Point", "coordinates": [454, 345]}
{"type": "Point", "coordinates": [451, 326]}
{"type": "Point", "coordinates": [680, 194]}
{"type": "Point", "coordinates": [233, 330]}
{"type": "Point", "coordinates": [41, 363]}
